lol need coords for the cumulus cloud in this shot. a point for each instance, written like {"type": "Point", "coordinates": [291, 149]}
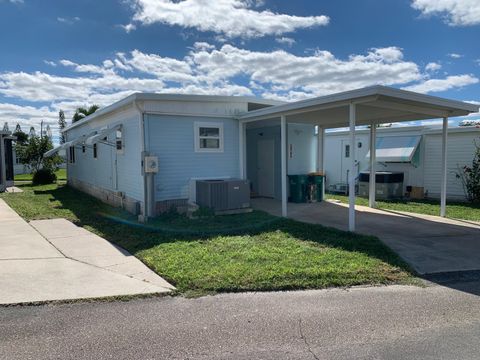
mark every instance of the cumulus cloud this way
{"type": "Point", "coordinates": [455, 55]}
{"type": "Point", "coordinates": [453, 12]}
{"type": "Point", "coordinates": [433, 66]}
{"type": "Point", "coordinates": [450, 82]}
{"type": "Point", "coordinates": [27, 116]}
{"type": "Point", "coordinates": [211, 70]}
{"type": "Point", "coordinates": [231, 18]}
{"type": "Point", "coordinates": [285, 40]}
{"type": "Point", "coordinates": [68, 20]}
{"type": "Point", "coordinates": [51, 63]}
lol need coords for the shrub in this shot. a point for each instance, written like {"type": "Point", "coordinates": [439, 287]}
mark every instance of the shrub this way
{"type": "Point", "coordinates": [470, 176]}
{"type": "Point", "coordinates": [43, 177]}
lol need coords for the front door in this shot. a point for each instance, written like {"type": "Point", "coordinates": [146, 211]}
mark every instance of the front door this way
{"type": "Point", "coordinates": [266, 167]}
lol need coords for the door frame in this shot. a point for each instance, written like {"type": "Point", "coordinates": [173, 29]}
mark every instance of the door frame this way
{"type": "Point", "coordinates": [272, 180]}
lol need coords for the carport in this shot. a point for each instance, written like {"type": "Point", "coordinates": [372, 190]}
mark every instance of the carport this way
{"type": "Point", "coordinates": [369, 106]}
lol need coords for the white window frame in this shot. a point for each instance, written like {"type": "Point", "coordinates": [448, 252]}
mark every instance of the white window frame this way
{"type": "Point", "coordinates": [71, 155]}
{"type": "Point", "coordinates": [120, 139]}
{"type": "Point", "coordinates": [197, 126]}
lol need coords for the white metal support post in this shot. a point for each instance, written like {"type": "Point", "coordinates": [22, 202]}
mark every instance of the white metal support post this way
{"type": "Point", "coordinates": [3, 173]}
{"type": "Point", "coordinates": [242, 150]}
{"type": "Point", "coordinates": [283, 151]}
{"type": "Point", "coordinates": [321, 155]}
{"type": "Point", "coordinates": [320, 141]}
{"type": "Point", "coordinates": [373, 160]}
{"type": "Point", "coordinates": [351, 181]}
{"type": "Point", "coordinates": [443, 191]}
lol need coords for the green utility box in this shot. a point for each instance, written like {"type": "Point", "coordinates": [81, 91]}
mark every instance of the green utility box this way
{"type": "Point", "coordinates": [317, 191]}
{"type": "Point", "coordinates": [298, 188]}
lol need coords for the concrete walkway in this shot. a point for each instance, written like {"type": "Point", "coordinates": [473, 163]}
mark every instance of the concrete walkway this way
{"type": "Point", "coordinates": [430, 244]}
{"type": "Point", "coordinates": [56, 260]}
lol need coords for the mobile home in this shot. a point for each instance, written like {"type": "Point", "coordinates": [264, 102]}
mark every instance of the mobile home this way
{"type": "Point", "coordinates": [147, 151]}
{"type": "Point", "coordinates": [413, 151]}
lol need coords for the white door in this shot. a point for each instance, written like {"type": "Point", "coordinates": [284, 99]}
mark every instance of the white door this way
{"type": "Point", "coordinates": [345, 166]}
{"type": "Point", "coordinates": [266, 167]}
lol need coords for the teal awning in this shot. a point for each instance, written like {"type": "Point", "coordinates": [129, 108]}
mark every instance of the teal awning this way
{"type": "Point", "coordinates": [396, 148]}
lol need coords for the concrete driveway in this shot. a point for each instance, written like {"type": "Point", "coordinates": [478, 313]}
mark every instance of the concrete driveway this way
{"type": "Point", "coordinates": [56, 260]}
{"type": "Point", "coordinates": [430, 244]}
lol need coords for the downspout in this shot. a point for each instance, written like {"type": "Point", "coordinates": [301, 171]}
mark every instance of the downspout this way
{"type": "Point", "coordinates": [142, 143]}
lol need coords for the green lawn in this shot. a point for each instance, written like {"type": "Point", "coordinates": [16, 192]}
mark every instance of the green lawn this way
{"type": "Point", "coordinates": [455, 210]}
{"type": "Point", "coordinates": [61, 176]}
{"type": "Point", "coordinates": [244, 252]}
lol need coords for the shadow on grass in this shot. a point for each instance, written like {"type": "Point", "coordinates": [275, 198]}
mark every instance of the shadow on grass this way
{"type": "Point", "coordinates": [122, 228]}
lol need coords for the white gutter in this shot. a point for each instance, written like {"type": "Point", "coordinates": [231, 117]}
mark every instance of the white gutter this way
{"type": "Point", "coordinates": [134, 98]}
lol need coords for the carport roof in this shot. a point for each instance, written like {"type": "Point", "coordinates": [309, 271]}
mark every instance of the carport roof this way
{"type": "Point", "coordinates": [375, 104]}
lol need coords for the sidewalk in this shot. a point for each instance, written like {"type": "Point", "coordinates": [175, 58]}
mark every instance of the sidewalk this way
{"type": "Point", "coordinates": [56, 260]}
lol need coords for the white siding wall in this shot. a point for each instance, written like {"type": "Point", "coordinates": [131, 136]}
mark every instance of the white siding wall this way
{"type": "Point", "coordinates": [171, 138]}
{"type": "Point", "coordinates": [427, 174]}
{"type": "Point", "coordinates": [460, 152]}
{"type": "Point", "coordinates": [102, 171]}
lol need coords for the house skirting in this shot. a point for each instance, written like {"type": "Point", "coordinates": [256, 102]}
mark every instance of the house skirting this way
{"type": "Point", "coordinates": [113, 198]}
{"type": "Point", "coordinates": [167, 205]}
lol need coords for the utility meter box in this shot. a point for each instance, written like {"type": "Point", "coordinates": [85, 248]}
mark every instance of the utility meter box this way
{"type": "Point", "coordinates": [151, 164]}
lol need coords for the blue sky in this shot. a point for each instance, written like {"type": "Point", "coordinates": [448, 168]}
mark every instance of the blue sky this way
{"type": "Point", "coordinates": [63, 54]}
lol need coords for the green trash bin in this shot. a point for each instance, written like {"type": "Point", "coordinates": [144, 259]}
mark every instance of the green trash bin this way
{"type": "Point", "coordinates": [298, 188]}
{"type": "Point", "coordinates": [317, 180]}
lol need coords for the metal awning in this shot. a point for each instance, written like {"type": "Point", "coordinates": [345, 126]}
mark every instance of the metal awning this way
{"type": "Point", "coordinates": [101, 134]}
{"type": "Point", "coordinates": [396, 149]}
{"type": "Point", "coordinates": [368, 106]}
{"type": "Point", "coordinates": [53, 151]}
{"type": "Point", "coordinates": [375, 104]}
{"type": "Point", "coordinates": [81, 139]}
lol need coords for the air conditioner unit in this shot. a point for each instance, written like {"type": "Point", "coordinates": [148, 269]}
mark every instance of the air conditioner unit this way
{"type": "Point", "coordinates": [220, 195]}
{"type": "Point", "coordinates": [388, 185]}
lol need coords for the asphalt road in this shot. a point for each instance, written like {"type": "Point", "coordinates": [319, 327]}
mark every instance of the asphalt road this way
{"type": "Point", "coordinates": [396, 322]}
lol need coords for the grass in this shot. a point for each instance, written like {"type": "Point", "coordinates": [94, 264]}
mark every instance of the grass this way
{"type": "Point", "coordinates": [455, 210]}
{"type": "Point", "coordinates": [61, 176]}
{"type": "Point", "coordinates": [246, 252]}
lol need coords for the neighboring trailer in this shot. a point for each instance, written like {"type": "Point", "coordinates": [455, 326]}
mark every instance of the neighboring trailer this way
{"type": "Point", "coordinates": [6, 159]}
{"type": "Point", "coordinates": [422, 171]}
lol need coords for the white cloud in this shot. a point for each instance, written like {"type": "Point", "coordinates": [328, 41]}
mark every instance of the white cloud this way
{"type": "Point", "coordinates": [231, 18]}
{"type": "Point", "coordinates": [450, 82]}
{"type": "Point", "coordinates": [433, 66]}
{"type": "Point", "coordinates": [51, 63]}
{"type": "Point", "coordinates": [477, 114]}
{"type": "Point", "coordinates": [455, 55]}
{"type": "Point", "coordinates": [316, 74]}
{"type": "Point", "coordinates": [128, 28]}
{"type": "Point", "coordinates": [16, 1]}
{"type": "Point", "coordinates": [27, 116]}
{"type": "Point", "coordinates": [286, 41]}
{"type": "Point", "coordinates": [68, 20]}
{"type": "Point", "coordinates": [207, 69]}
{"type": "Point", "coordinates": [454, 12]}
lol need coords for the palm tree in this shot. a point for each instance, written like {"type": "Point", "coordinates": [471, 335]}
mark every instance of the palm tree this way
{"type": "Point", "coordinates": [82, 112]}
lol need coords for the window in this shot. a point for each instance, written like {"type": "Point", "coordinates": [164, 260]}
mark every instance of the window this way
{"type": "Point", "coordinates": [95, 151]}
{"type": "Point", "coordinates": [119, 141]}
{"type": "Point", "coordinates": [71, 154]}
{"type": "Point", "coordinates": [83, 148]}
{"type": "Point", "coordinates": [347, 151]}
{"type": "Point", "coordinates": [208, 137]}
